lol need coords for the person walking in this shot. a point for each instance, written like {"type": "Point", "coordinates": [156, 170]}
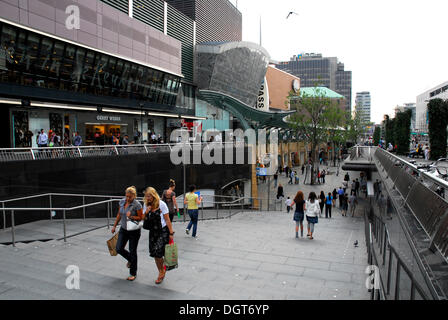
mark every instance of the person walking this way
{"type": "Point", "coordinates": [340, 193]}
{"type": "Point", "coordinates": [328, 203]}
{"type": "Point", "coordinates": [296, 177]}
{"type": "Point", "coordinates": [353, 202]}
{"type": "Point", "coordinates": [357, 185]}
{"type": "Point", "coordinates": [192, 200]}
{"type": "Point", "coordinates": [344, 207]}
{"type": "Point", "coordinates": [288, 203]}
{"type": "Point", "coordinates": [353, 187]}
{"type": "Point", "coordinates": [291, 177]}
{"type": "Point", "coordinates": [130, 210]}
{"type": "Point", "coordinates": [161, 231]}
{"type": "Point", "coordinates": [299, 213]}
{"type": "Point", "coordinates": [280, 192]}
{"type": "Point", "coordinates": [77, 141]}
{"type": "Point", "coordinates": [335, 197]}
{"type": "Point", "coordinates": [322, 175]}
{"type": "Point", "coordinates": [312, 210]}
{"type": "Point", "coordinates": [321, 203]}
{"type": "Point", "coordinates": [347, 177]}
{"type": "Point", "coordinates": [42, 139]}
{"type": "Point", "coordinates": [303, 168]}
{"type": "Point", "coordinates": [169, 197]}
{"type": "Point", "coordinates": [426, 151]}
{"type": "Point", "coordinates": [275, 179]}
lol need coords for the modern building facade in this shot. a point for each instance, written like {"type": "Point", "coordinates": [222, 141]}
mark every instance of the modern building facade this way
{"type": "Point", "coordinates": [316, 70]}
{"type": "Point", "coordinates": [116, 74]}
{"type": "Point", "coordinates": [438, 92]}
{"type": "Point", "coordinates": [363, 105]}
{"type": "Point", "coordinates": [216, 20]}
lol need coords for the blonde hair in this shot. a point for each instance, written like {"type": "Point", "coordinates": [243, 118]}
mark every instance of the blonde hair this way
{"type": "Point", "coordinates": [155, 198]}
{"type": "Point", "coordinates": [132, 190]}
{"type": "Point", "coordinates": [172, 183]}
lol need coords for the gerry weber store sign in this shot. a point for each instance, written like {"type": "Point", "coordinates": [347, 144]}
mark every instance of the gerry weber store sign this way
{"type": "Point", "coordinates": [107, 118]}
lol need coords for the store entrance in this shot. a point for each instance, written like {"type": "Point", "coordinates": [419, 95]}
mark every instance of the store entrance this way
{"type": "Point", "coordinates": [101, 133]}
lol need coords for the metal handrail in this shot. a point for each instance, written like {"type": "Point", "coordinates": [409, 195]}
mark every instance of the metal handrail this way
{"type": "Point", "coordinates": [21, 154]}
{"type": "Point", "coordinates": [392, 253]}
{"type": "Point", "coordinates": [13, 210]}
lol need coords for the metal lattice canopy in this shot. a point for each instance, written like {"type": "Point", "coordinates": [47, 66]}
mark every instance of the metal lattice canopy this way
{"type": "Point", "coordinates": [249, 117]}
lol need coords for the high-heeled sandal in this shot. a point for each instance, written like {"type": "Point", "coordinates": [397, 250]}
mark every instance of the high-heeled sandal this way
{"type": "Point", "coordinates": [131, 278]}
{"type": "Point", "coordinates": [161, 277]}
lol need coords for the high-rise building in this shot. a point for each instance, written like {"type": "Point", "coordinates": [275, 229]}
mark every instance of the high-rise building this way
{"type": "Point", "coordinates": [438, 92]}
{"type": "Point", "coordinates": [363, 105]}
{"type": "Point", "coordinates": [315, 70]}
{"type": "Point", "coordinates": [216, 20]}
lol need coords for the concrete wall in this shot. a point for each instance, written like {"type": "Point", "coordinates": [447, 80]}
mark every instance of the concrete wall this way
{"type": "Point", "coordinates": [101, 27]}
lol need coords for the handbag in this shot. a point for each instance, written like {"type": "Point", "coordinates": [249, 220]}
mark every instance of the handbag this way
{"type": "Point", "coordinates": [112, 244]}
{"type": "Point", "coordinates": [132, 225]}
{"type": "Point", "coordinates": [171, 256]}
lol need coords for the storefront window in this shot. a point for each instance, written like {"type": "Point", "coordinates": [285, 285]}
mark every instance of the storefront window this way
{"type": "Point", "coordinates": [30, 59]}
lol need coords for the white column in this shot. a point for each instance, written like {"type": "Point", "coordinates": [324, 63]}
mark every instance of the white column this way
{"type": "Point", "coordinates": [165, 18]}
{"type": "Point", "coordinates": [131, 8]}
{"type": "Point", "coordinates": [194, 32]}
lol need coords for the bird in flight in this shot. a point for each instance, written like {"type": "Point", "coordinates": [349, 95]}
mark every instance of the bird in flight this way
{"type": "Point", "coordinates": [290, 13]}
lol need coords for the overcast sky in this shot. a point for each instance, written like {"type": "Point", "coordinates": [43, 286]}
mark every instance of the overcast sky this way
{"type": "Point", "coordinates": [396, 49]}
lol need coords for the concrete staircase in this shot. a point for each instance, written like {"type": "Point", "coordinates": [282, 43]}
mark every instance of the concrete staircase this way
{"type": "Point", "coordinates": [250, 256]}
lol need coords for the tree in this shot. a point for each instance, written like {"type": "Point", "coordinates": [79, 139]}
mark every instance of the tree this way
{"type": "Point", "coordinates": [336, 121]}
{"type": "Point", "coordinates": [389, 136]}
{"type": "Point", "coordinates": [437, 123]}
{"type": "Point", "coordinates": [310, 121]}
{"type": "Point", "coordinates": [356, 126]}
{"type": "Point", "coordinates": [377, 136]}
{"type": "Point", "coordinates": [402, 131]}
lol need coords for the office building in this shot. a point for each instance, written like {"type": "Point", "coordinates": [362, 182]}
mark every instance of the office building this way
{"type": "Point", "coordinates": [124, 70]}
{"type": "Point", "coordinates": [316, 70]}
{"type": "Point", "coordinates": [438, 92]}
{"type": "Point", "coordinates": [363, 105]}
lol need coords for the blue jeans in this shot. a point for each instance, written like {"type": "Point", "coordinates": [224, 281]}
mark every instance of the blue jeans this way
{"type": "Point", "coordinates": [193, 220]}
{"type": "Point", "coordinates": [123, 237]}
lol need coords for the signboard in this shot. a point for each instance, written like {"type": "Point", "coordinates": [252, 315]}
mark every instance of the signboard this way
{"type": "Point", "coordinates": [261, 172]}
{"type": "Point", "coordinates": [108, 118]}
{"type": "Point", "coordinates": [263, 97]}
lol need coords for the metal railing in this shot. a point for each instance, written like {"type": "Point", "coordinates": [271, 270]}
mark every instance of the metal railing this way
{"type": "Point", "coordinates": [24, 154]}
{"type": "Point", "coordinates": [417, 189]}
{"type": "Point", "coordinates": [210, 208]}
{"type": "Point", "coordinates": [378, 241]}
{"type": "Point", "coordinates": [361, 153]}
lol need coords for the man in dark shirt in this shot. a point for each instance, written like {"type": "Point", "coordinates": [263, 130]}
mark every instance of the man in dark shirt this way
{"type": "Point", "coordinates": [357, 187]}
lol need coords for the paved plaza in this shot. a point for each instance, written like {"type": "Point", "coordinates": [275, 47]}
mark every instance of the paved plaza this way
{"type": "Point", "coordinates": [252, 255]}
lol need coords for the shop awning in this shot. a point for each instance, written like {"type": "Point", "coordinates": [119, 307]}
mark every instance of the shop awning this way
{"type": "Point", "coordinates": [248, 116]}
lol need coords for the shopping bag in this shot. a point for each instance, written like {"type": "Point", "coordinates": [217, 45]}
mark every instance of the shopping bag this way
{"type": "Point", "coordinates": [111, 244]}
{"type": "Point", "coordinates": [171, 256]}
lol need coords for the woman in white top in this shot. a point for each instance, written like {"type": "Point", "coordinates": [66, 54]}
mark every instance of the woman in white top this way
{"type": "Point", "coordinates": [312, 210]}
{"type": "Point", "coordinates": [157, 221]}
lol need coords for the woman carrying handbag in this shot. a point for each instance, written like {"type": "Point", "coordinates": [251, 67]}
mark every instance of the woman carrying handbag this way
{"type": "Point", "coordinates": [130, 213]}
{"type": "Point", "coordinates": [157, 221]}
{"type": "Point", "coordinates": [312, 210]}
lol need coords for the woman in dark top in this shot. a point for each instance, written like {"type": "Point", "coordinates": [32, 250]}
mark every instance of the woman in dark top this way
{"type": "Point", "coordinates": [328, 202]}
{"type": "Point", "coordinates": [129, 210]}
{"type": "Point", "coordinates": [169, 197]}
{"type": "Point", "coordinates": [321, 202]}
{"type": "Point", "coordinates": [335, 196]}
{"type": "Point", "coordinates": [280, 191]}
{"type": "Point", "coordinates": [156, 215]}
{"type": "Point", "coordinates": [299, 213]}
